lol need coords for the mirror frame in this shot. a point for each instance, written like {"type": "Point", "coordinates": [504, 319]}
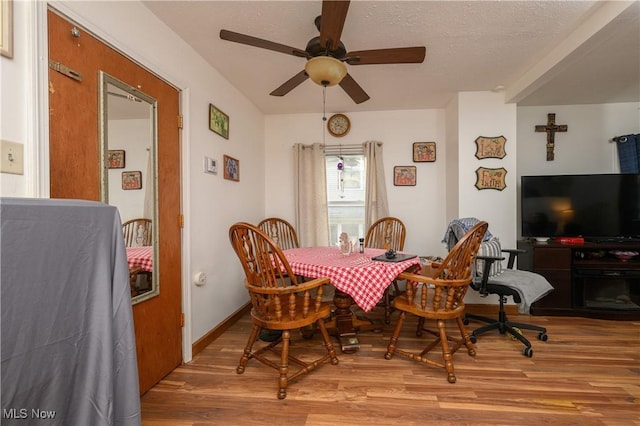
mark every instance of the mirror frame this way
{"type": "Point", "coordinates": [104, 81]}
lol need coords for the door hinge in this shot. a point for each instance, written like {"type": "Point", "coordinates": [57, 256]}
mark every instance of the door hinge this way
{"type": "Point", "coordinates": [181, 320]}
{"type": "Point", "coordinates": [180, 121]}
{"type": "Point", "coordinates": [65, 70]}
{"type": "Point", "coordinates": [181, 220]}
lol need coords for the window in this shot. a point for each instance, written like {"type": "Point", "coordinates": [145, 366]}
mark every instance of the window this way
{"type": "Point", "coordinates": [345, 194]}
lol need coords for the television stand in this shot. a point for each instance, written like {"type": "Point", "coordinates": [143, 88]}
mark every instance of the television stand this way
{"type": "Point", "coordinates": [626, 240]}
{"type": "Point", "coordinates": [589, 280]}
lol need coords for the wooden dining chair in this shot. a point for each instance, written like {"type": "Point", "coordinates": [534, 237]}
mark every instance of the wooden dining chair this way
{"type": "Point", "coordinates": [279, 302]}
{"type": "Point", "coordinates": [387, 233]}
{"type": "Point", "coordinates": [280, 231]}
{"type": "Point", "coordinates": [437, 293]}
{"type": "Point", "coordinates": [137, 232]}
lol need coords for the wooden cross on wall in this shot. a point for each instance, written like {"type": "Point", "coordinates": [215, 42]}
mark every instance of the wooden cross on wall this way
{"type": "Point", "coordinates": [551, 128]}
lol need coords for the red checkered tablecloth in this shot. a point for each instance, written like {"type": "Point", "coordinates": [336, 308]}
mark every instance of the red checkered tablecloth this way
{"type": "Point", "coordinates": [355, 274]}
{"type": "Point", "coordinates": [140, 256]}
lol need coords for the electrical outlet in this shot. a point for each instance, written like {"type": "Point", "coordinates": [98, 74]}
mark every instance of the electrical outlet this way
{"type": "Point", "coordinates": [12, 154]}
{"type": "Point", "coordinates": [210, 165]}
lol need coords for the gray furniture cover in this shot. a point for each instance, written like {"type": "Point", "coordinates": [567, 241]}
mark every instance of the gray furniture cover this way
{"type": "Point", "coordinates": [68, 345]}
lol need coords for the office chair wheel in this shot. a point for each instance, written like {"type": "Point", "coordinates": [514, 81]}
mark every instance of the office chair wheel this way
{"type": "Point", "coordinates": [543, 337]}
{"type": "Point", "coordinates": [473, 339]}
{"type": "Point", "coordinates": [528, 352]}
{"type": "Point", "coordinates": [465, 321]}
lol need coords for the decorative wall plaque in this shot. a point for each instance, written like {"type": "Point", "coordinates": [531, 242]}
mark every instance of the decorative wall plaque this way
{"type": "Point", "coordinates": [490, 147]}
{"type": "Point", "coordinates": [491, 178]}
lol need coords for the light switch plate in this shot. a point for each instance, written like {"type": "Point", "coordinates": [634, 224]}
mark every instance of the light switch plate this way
{"type": "Point", "coordinates": [12, 154]}
{"type": "Point", "coordinates": [210, 165]}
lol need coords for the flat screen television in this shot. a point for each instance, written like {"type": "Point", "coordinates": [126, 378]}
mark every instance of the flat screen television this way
{"type": "Point", "coordinates": [602, 207]}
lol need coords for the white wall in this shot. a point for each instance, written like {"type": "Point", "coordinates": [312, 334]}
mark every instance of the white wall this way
{"type": "Point", "coordinates": [15, 107]}
{"type": "Point", "coordinates": [417, 206]}
{"type": "Point", "coordinates": [211, 204]}
{"type": "Point", "coordinates": [130, 136]}
{"type": "Point", "coordinates": [585, 147]}
{"type": "Point", "coordinates": [486, 114]}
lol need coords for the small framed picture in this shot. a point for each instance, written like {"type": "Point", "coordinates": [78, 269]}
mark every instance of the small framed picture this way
{"type": "Point", "coordinates": [131, 180]}
{"type": "Point", "coordinates": [218, 121]}
{"type": "Point", "coordinates": [491, 178]}
{"type": "Point", "coordinates": [424, 152]}
{"type": "Point", "coordinates": [404, 175]}
{"type": "Point", "coordinates": [490, 147]}
{"type": "Point", "coordinates": [231, 168]}
{"type": "Point", "coordinates": [116, 159]}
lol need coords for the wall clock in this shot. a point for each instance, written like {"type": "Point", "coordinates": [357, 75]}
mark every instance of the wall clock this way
{"type": "Point", "coordinates": [338, 125]}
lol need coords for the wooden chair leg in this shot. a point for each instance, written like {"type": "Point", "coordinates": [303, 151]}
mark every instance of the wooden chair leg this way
{"type": "Point", "coordinates": [327, 341]}
{"type": "Point", "coordinates": [283, 380]}
{"type": "Point", "coordinates": [446, 352]}
{"type": "Point", "coordinates": [420, 327]}
{"type": "Point", "coordinates": [246, 355]}
{"type": "Point", "coordinates": [387, 306]}
{"type": "Point", "coordinates": [394, 338]}
{"type": "Point", "coordinates": [466, 338]}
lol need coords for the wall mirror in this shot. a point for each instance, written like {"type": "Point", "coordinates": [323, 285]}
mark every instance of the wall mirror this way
{"type": "Point", "coordinates": [128, 138]}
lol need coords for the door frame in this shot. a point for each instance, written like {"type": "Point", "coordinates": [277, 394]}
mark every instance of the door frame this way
{"type": "Point", "coordinates": [38, 161]}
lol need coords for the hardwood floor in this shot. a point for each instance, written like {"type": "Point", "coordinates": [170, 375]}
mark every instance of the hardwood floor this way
{"type": "Point", "coordinates": [587, 373]}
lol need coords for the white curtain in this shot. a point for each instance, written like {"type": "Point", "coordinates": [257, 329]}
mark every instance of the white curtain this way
{"type": "Point", "coordinates": [376, 205]}
{"type": "Point", "coordinates": [312, 220]}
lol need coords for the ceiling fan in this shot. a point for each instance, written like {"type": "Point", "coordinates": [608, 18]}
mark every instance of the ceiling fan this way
{"type": "Point", "coordinates": [326, 54]}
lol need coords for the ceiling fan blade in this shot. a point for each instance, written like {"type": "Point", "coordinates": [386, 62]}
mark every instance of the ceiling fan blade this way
{"type": "Point", "coordinates": [263, 44]}
{"type": "Point", "coordinates": [334, 14]}
{"type": "Point", "coordinates": [353, 89]}
{"type": "Point", "coordinates": [400, 55]}
{"type": "Point", "coordinates": [290, 84]}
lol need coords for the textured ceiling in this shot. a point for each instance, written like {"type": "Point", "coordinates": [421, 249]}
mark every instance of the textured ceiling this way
{"type": "Point", "coordinates": [471, 46]}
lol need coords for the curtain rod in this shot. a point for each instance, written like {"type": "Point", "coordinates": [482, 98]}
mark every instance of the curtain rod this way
{"type": "Point", "coordinates": [621, 139]}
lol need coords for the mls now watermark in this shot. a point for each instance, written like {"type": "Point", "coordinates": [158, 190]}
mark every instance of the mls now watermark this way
{"type": "Point", "coordinates": [23, 413]}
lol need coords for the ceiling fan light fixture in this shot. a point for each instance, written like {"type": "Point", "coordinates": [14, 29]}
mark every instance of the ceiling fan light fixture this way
{"type": "Point", "coordinates": [325, 70]}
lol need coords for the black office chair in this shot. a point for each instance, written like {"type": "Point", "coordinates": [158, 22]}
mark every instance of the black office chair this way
{"type": "Point", "coordinates": [491, 278]}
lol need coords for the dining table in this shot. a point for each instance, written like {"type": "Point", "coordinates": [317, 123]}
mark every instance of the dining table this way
{"type": "Point", "coordinates": [141, 257]}
{"type": "Point", "coordinates": [357, 278]}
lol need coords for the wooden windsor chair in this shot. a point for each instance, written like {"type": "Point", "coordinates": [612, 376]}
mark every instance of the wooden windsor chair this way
{"type": "Point", "coordinates": [280, 231]}
{"type": "Point", "coordinates": [137, 232]}
{"type": "Point", "coordinates": [387, 233]}
{"type": "Point", "coordinates": [279, 302]}
{"type": "Point", "coordinates": [437, 293]}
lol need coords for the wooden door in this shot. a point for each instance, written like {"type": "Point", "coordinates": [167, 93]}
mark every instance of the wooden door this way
{"type": "Point", "coordinates": [75, 173]}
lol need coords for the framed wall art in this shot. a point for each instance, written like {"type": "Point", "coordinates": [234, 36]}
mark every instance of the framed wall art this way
{"type": "Point", "coordinates": [424, 152]}
{"type": "Point", "coordinates": [218, 121]}
{"type": "Point", "coordinates": [131, 180]}
{"type": "Point", "coordinates": [491, 178]}
{"type": "Point", "coordinates": [116, 159]}
{"type": "Point", "coordinates": [6, 28]}
{"type": "Point", "coordinates": [404, 175]}
{"type": "Point", "coordinates": [231, 168]}
{"type": "Point", "coordinates": [490, 147]}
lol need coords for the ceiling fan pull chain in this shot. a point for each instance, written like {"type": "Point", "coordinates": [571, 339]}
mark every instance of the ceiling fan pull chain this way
{"type": "Point", "coordinates": [324, 113]}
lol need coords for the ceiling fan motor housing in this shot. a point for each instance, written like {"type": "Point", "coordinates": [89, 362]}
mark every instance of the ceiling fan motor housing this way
{"type": "Point", "coordinates": [315, 49]}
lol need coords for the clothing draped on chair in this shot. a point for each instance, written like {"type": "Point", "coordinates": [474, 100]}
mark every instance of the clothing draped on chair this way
{"type": "Point", "coordinates": [375, 201]}
{"type": "Point", "coordinates": [312, 220]}
{"type": "Point", "coordinates": [629, 153]}
{"type": "Point", "coordinates": [530, 287]}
